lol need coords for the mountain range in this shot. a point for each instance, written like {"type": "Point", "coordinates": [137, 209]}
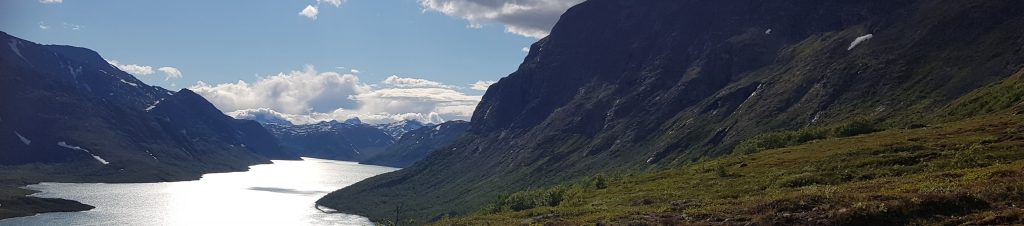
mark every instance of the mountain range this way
{"type": "Point", "coordinates": [628, 87]}
{"type": "Point", "coordinates": [353, 140]}
{"type": "Point", "coordinates": [418, 144]}
{"type": "Point", "coordinates": [69, 116]}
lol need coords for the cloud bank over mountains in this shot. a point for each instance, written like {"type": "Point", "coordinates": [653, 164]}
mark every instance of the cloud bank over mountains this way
{"type": "Point", "coordinates": [530, 18]}
{"type": "Point", "coordinates": [310, 96]}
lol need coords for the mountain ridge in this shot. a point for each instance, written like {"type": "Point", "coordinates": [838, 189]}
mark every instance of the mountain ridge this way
{"type": "Point", "coordinates": [625, 86]}
{"type": "Point", "coordinates": [56, 94]}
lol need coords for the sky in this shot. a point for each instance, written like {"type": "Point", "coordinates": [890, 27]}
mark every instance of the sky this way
{"type": "Point", "coordinates": [304, 60]}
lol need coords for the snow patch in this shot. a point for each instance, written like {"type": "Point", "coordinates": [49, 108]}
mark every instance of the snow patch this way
{"type": "Point", "coordinates": [151, 155]}
{"type": "Point", "coordinates": [24, 140]}
{"type": "Point", "coordinates": [860, 40]}
{"type": "Point", "coordinates": [74, 72]}
{"type": "Point", "coordinates": [129, 83]}
{"type": "Point", "coordinates": [14, 47]}
{"type": "Point", "coordinates": [77, 148]}
{"type": "Point", "coordinates": [154, 105]}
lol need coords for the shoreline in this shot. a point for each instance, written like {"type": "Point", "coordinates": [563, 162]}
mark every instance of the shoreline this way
{"type": "Point", "coordinates": [18, 202]}
{"type": "Point", "coordinates": [16, 198]}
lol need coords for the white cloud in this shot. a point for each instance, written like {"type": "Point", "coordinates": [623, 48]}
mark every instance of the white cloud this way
{"type": "Point", "coordinates": [43, 26]}
{"type": "Point", "coordinates": [336, 3]}
{"type": "Point", "coordinates": [73, 27]}
{"type": "Point", "coordinates": [396, 81]}
{"type": "Point", "coordinates": [446, 103]}
{"type": "Point", "coordinates": [171, 72]}
{"type": "Point", "coordinates": [525, 49]}
{"type": "Point", "coordinates": [310, 12]}
{"type": "Point", "coordinates": [134, 69]}
{"type": "Point", "coordinates": [297, 92]}
{"type": "Point", "coordinates": [140, 70]}
{"type": "Point", "coordinates": [51, 1]}
{"type": "Point", "coordinates": [308, 96]}
{"type": "Point", "coordinates": [481, 85]}
{"type": "Point", "coordinates": [356, 71]}
{"type": "Point", "coordinates": [530, 18]}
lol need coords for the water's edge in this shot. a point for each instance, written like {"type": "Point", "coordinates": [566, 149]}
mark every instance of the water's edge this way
{"type": "Point", "coordinates": [69, 205]}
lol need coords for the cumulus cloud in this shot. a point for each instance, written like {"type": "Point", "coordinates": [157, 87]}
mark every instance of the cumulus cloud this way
{"type": "Point", "coordinates": [396, 81]}
{"type": "Point", "coordinates": [310, 12]}
{"type": "Point", "coordinates": [309, 96]}
{"type": "Point", "coordinates": [446, 103]}
{"type": "Point", "coordinates": [481, 85]}
{"type": "Point", "coordinates": [530, 18]}
{"type": "Point", "coordinates": [170, 72]}
{"type": "Point", "coordinates": [297, 92]}
{"type": "Point", "coordinates": [134, 69]}
{"type": "Point", "coordinates": [51, 1]}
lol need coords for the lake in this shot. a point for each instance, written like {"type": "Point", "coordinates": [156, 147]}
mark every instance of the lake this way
{"type": "Point", "coordinates": [282, 193]}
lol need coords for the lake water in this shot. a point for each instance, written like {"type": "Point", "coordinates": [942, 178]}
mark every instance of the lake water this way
{"type": "Point", "coordinates": [282, 193]}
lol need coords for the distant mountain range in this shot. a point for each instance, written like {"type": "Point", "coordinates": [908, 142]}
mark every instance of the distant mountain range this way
{"type": "Point", "coordinates": [630, 86]}
{"type": "Point", "coordinates": [397, 144]}
{"type": "Point", "coordinates": [67, 108]}
{"type": "Point", "coordinates": [417, 144]}
{"type": "Point", "coordinates": [350, 141]}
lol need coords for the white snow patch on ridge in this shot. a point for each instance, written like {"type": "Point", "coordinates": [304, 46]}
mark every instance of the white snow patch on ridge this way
{"type": "Point", "coordinates": [66, 145]}
{"type": "Point", "coordinates": [129, 83]}
{"type": "Point", "coordinates": [860, 40]}
{"type": "Point", "coordinates": [23, 139]}
{"type": "Point", "coordinates": [14, 47]}
{"type": "Point", "coordinates": [154, 105]}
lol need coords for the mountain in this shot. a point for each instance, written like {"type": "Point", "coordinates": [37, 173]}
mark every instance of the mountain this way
{"type": "Point", "coordinates": [397, 129]}
{"type": "Point", "coordinates": [351, 140]}
{"type": "Point", "coordinates": [417, 144]}
{"type": "Point", "coordinates": [634, 86]}
{"type": "Point", "coordinates": [69, 116]}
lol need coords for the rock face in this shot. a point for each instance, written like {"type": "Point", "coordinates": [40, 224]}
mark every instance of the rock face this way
{"type": "Point", "coordinates": [68, 109]}
{"type": "Point", "coordinates": [348, 141]}
{"type": "Point", "coordinates": [417, 144]}
{"type": "Point", "coordinates": [634, 85]}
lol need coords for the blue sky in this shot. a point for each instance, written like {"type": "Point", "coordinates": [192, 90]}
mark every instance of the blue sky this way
{"type": "Point", "coordinates": [448, 42]}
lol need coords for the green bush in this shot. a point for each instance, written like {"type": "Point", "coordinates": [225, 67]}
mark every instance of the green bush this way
{"type": "Point", "coordinates": [524, 200]}
{"type": "Point", "coordinates": [790, 138]}
{"type": "Point", "coordinates": [600, 182]}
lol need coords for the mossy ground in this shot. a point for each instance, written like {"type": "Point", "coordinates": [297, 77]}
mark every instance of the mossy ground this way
{"type": "Point", "coordinates": [966, 172]}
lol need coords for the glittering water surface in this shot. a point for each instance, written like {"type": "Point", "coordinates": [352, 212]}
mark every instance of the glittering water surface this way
{"type": "Point", "coordinates": [282, 193]}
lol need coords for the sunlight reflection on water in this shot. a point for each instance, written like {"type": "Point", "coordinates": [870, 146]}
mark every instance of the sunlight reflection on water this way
{"type": "Point", "coordinates": [282, 193]}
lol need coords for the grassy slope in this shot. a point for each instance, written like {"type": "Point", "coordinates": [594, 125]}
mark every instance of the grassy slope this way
{"type": "Point", "coordinates": [969, 171]}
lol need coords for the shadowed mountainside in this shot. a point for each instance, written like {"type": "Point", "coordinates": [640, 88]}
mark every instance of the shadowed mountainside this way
{"type": "Point", "coordinates": [621, 86]}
